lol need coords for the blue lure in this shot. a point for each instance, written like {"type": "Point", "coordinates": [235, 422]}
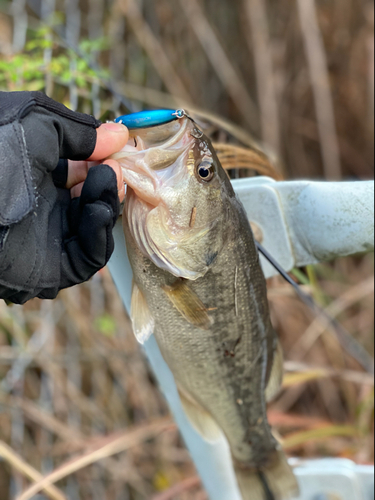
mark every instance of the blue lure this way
{"type": "Point", "coordinates": [146, 119]}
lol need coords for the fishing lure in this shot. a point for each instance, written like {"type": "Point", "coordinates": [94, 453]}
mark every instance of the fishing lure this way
{"type": "Point", "coordinates": [147, 119]}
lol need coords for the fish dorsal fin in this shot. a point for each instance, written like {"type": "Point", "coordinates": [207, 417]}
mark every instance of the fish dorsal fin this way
{"type": "Point", "coordinates": [189, 305]}
{"type": "Point", "coordinates": [277, 373]}
{"type": "Point", "coordinates": [200, 419]}
{"type": "Point", "coordinates": [143, 322]}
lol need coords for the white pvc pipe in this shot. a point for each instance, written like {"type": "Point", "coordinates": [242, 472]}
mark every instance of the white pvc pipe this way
{"type": "Point", "coordinates": [304, 222]}
{"type": "Point", "coordinates": [328, 219]}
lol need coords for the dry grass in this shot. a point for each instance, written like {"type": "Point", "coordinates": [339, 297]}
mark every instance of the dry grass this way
{"type": "Point", "coordinates": [74, 385]}
{"type": "Point", "coordinates": [70, 385]}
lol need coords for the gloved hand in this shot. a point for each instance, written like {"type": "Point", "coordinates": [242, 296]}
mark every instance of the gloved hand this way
{"type": "Point", "coordinates": [49, 241]}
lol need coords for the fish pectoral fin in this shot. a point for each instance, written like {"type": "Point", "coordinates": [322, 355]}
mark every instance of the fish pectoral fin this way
{"type": "Point", "coordinates": [143, 322]}
{"type": "Point", "coordinates": [189, 305]}
{"type": "Point", "coordinates": [200, 419]}
{"type": "Point", "coordinates": [277, 373]}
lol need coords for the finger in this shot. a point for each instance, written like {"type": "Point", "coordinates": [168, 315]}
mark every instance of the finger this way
{"type": "Point", "coordinates": [101, 186]}
{"type": "Point", "coordinates": [111, 138]}
{"type": "Point", "coordinates": [120, 179]}
{"type": "Point", "coordinates": [76, 190]}
{"type": "Point", "coordinates": [52, 130]}
{"type": "Point", "coordinates": [92, 247]}
{"type": "Point", "coordinates": [78, 173]}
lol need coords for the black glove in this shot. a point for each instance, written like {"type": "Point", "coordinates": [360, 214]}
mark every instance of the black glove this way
{"type": "Point", "coordinates": [48, 241]}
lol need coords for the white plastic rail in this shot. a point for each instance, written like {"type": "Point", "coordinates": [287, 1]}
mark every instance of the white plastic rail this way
{"type": "Point", "coordinates": [304, 222]}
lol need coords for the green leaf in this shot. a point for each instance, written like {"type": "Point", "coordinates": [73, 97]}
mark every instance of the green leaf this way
{"type": "Point", "coordinates": [106, 325]}
{"type": "Point", "coordinates": [35, 85]}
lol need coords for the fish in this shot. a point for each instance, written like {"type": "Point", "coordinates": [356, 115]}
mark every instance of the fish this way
{"type": "Point", "coordinates": [199, 288]}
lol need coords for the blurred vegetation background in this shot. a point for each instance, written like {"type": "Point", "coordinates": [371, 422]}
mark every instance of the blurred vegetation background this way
{"type": "Point", "coordinates": [290, 83]}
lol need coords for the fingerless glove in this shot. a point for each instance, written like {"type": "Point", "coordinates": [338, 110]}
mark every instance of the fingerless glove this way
{"type": "Point", "coordinates": [47, 240]}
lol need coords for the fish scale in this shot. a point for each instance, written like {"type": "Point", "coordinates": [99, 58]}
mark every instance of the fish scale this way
{"type": "Point", "coordinates": [214, 328]}
{"type": "Point", "coordinates": [205, 355]}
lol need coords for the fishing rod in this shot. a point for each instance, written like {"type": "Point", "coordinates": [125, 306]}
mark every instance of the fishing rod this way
{"type": "Point", "coordinates": [349, 344]}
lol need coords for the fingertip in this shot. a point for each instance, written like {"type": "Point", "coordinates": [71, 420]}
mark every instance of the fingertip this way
{"type": "Point", "coordinates": [111, 138]}
{"type": "Point", "coordinates": [76, 190]}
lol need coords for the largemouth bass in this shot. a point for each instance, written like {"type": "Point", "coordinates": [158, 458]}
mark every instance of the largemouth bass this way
{"type": "Point", "coordinates": [199, 287]}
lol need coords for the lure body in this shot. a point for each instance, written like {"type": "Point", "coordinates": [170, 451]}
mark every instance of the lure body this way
{"type": "Point", "coordinates": [147, 119]}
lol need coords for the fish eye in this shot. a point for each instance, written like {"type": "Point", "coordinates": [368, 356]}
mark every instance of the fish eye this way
{"type": "Point", "coordinates": [205, 170]}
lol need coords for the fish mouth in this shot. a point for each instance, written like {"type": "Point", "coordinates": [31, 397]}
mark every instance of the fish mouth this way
{"type": "Point", "coordinates": [156, 168]}
{"type": "Point", "coordinates": [154, 158]}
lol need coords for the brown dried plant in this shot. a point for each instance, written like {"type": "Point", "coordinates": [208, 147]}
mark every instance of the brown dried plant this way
{"type": "Point", "coordinates": [285, 89]}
